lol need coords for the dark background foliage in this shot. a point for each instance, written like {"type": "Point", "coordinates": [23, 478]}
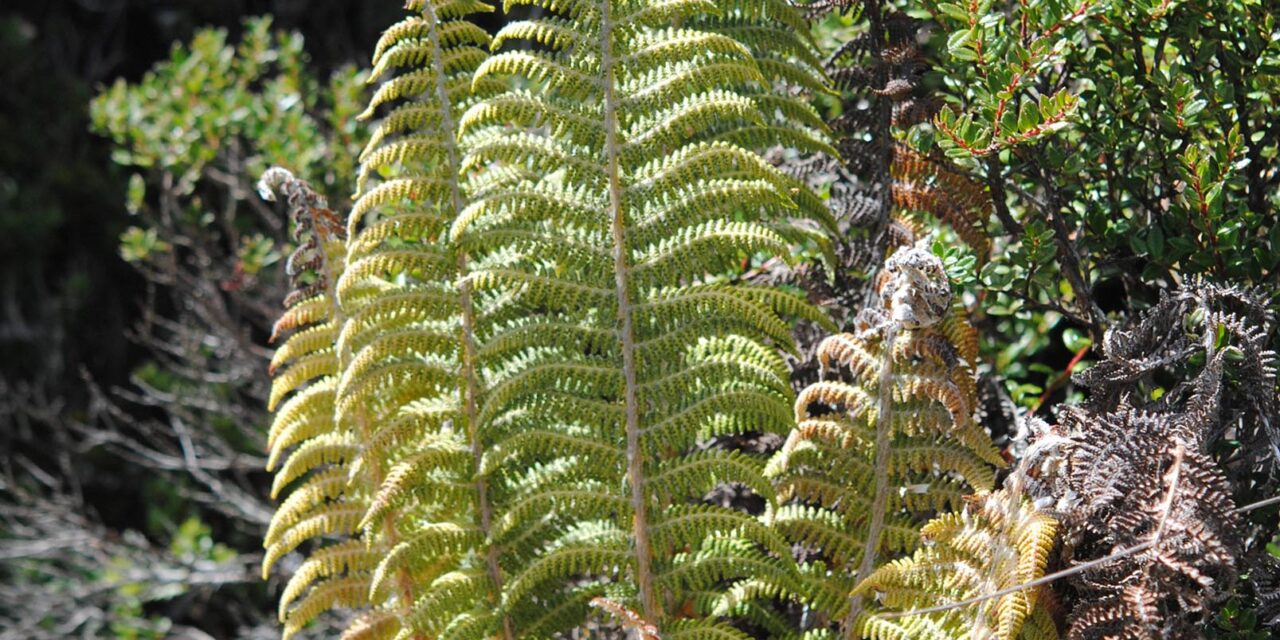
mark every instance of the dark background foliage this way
{"type": "Point", "coordinates": [67, 296]}
{"type": "Point", "coordinates": [104, 529]}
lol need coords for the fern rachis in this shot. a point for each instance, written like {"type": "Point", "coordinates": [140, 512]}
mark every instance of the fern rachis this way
{"type": "Point", "coordinates": [880, 471]}
{"type": "Point", "coordinates": [626, 333]}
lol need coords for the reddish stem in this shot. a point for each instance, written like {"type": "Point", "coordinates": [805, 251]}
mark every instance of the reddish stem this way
{"type": "Point", "coordinates": [1063, 377]}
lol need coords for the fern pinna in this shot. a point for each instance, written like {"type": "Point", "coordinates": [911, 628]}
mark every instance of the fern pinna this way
{"type": "Point", "coordinates": [609, 197]}
{"type": "Point", "coordinates": [308, 449]}
{"type": "Point", "coordinates": [886, 435]}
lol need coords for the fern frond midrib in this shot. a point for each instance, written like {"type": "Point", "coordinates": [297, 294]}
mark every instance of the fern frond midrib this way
{"type": "Point", "coordinates": [884, 428]}
{"type": "Point", "coordinates": [375, 473]}
{"type": "Point", "coordinates": [626, 332]}
{"type": "Point", "coordinates": [471, 390]}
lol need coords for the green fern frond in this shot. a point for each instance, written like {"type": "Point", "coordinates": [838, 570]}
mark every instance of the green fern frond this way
{"type": "Point", "coordinates": [612, 196]}
{"type": "Point", "coordinates": [778, 38]}
{"type": "Point", "coordinates": [336, 519]}
{"type": "Point", "coordinates": [430, 545]}
{"type": "Point", "coordinates": [305, 415]}
{"type": "Point", "coordinates": [384, 425]}
{"type": "Point", "coordinates": [410, 383]}
{"type": "Point", "coordinates": [308, 448]}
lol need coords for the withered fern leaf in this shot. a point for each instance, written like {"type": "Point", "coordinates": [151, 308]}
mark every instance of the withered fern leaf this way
{"type": "Point", "coordinates": [1144, 467]}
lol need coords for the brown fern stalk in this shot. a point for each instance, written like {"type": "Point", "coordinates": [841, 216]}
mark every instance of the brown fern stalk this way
{"type": "Point", "coordinates": [626, 332]}
{"type": "Point", "coordinates": [884, 433]}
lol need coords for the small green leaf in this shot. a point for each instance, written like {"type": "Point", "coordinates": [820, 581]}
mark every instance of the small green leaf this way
{"type": "Point", "coordinates": [958, 41]}
{"type": "Point", "coordinates": [136, 194]}
{"type": "Point", "coordinates": [1075, 341]}
{"type": "Point", "coordinates": [954, 11]}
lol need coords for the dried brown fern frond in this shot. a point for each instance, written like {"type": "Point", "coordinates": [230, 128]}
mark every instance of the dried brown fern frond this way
{"type": "Point", "coordinates": [1131, 482]}
{"type": "Point", "coordinates": [1264, 578]}
{"type": "Point", "coordinates": [922, 184]}
{"type": "Point", "coordinates": [859, 182]}
{"type": "Point", "coordinates": [1201, 351]}
{"type": "Point", "coordinates": [319, 233]}
{"type": "Point", "coordinates": [1139, 471]}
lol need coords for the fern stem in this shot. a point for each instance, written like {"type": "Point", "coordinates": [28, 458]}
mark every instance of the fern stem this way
{"type": "Point", "coordinates": [884, 429]}
{"type": "Point", "coordinates": [884, 417]}
{"type": "Point", "coordinates": [626, 331]}
{"type": "Point", "coordinates": [403, 580]}
{"type": "Point", "coordinates": [471, 391]}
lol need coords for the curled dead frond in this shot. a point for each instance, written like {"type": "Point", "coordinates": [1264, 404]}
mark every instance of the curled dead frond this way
{"type": "Point", "coordinates": [1139, 469]}
{"type": "Point", "coordinates": [1130, 480]}
{"type": "Point", "coordinates": [318, 231]}
{"type": "Point", "coordinates": [923, 184]}
{"type": "Point", "coordinates": [1201, 352]}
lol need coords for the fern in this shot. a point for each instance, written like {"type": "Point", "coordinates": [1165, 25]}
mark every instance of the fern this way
{"type": "Point", "coordinates": [610, 196]}
{"type": "Point", "coordinates": [410, 384]}
{"type": "Point", "coordinates": [401, 394]}
{"type": "Point", "coordinates": [886, 435]}
{"type": "Point", "coordinates": [308, 449]}
{"type": "Point", "coordinates": [1139, 486]}
{"type": "Point", "coordinates": [999, 540]}
{"type": "Point", "coordinates": [1138, 470]}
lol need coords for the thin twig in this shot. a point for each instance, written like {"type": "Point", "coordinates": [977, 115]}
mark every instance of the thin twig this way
{"type": "Point", "coordinates": [1063, 377]}
{"type": "Point", "coordinates": [995, 181]}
